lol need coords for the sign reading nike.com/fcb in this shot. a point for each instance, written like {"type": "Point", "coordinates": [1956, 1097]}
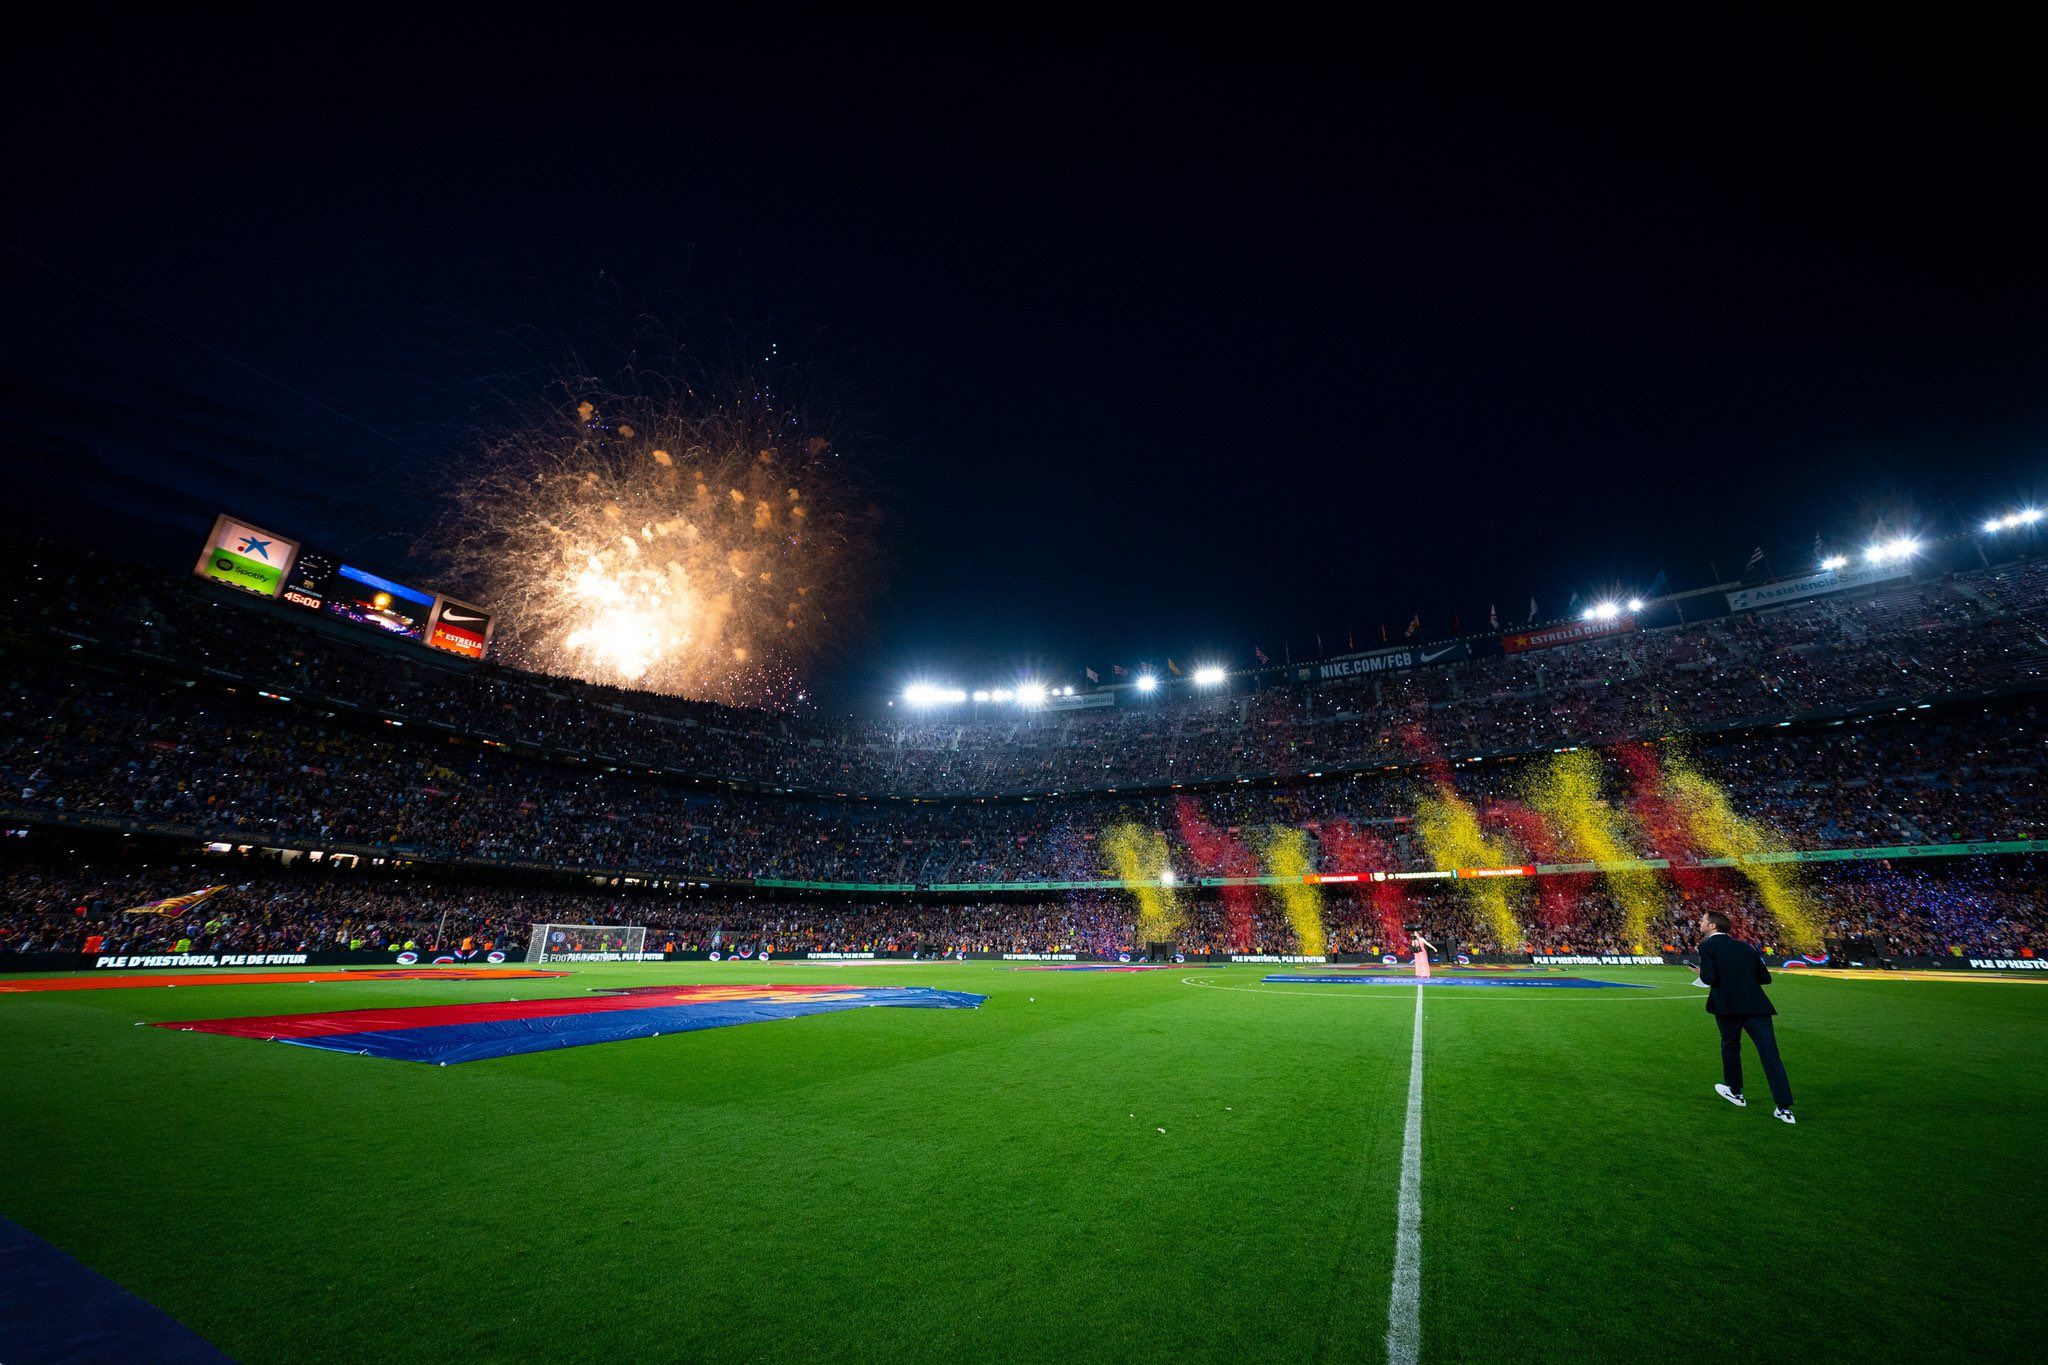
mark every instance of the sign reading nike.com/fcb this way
{"type": "Point", "coordinates": [472, 1033]}
{"type": "Point", "coordinates": [1393, 660]}
{"type": "Point", "coordinates": [242, 556]}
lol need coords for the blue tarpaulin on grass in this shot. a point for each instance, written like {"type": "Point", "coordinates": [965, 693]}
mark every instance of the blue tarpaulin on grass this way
{"type": "Point", "coordinates": [57, 1309]}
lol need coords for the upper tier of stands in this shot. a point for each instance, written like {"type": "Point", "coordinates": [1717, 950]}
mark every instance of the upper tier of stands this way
{"type": "Point", "coordinates": [1954, 634]}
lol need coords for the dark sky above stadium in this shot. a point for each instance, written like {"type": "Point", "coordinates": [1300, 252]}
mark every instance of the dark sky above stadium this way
{"type": "Point", "coordinates": [1142, 351]}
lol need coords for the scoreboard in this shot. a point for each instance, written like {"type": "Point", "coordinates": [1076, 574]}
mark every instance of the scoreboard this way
{"type": "Point", "coordinates": [250, 559]}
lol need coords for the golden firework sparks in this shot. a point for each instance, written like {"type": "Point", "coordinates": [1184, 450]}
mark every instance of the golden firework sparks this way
{"type": "Point", "coordinates": [660, 544]}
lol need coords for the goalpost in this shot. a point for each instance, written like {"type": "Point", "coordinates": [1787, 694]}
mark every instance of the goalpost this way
{"type": "Point", "coordinates": [552, 941]}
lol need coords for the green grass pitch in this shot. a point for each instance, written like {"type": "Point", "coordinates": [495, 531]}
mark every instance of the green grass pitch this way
{"type": "Point", "coordinates": [994, 1184]}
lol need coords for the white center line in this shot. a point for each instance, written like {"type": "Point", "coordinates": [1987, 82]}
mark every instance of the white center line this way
{"type": "Point", "coordinates": [1404, 1304]}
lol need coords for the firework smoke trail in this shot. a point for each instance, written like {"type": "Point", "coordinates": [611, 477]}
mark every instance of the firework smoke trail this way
{"type": "Point", "coordinates": [1699, 888]}
{"type": "Point", "coordinates": [1453, 837]}
{"type": "Point", "coordinates": [1556, 897]}
{"type": "Point", "coordinates": [1723, 833]}
{"type": "Point", "coordinates": [664, 541]}
{"type": "Point", "coordinates": [1285, 850]}
{"type": "Point", "coordinates": [1138, 859]}
{"type": "Point", "coordinates": [1347, 848]}
{"type": "Point", "coordinates": [1221, 853]}
{"type": "Point", "coordinates": [1567, 791]}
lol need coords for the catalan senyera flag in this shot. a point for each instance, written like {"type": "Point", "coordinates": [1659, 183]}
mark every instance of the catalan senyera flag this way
{"type": "Point", "coordinates": [176, 905]}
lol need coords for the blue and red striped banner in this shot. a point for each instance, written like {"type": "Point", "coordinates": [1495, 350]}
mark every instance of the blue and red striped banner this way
{"type": "Point", "coordinates": [448, 1034]}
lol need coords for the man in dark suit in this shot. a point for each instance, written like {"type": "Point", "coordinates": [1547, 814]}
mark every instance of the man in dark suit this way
{"type": "Point", "coordinates": [1734, 974]}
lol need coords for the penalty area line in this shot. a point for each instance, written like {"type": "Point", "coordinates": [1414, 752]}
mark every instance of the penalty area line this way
{"type": "Point", "coordinates": [1404, 1300]}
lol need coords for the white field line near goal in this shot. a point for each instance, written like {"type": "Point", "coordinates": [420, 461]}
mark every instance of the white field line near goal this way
{"type": "Point", "coordinates": [1404, 1302]}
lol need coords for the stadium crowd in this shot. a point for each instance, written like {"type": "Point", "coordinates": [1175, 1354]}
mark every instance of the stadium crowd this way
{"type": "Point", "coordinates": [1962, 633]}
{"type": "Point", "coordinates": [1947, 907]}
{"type": "Point", "coordinates": [79, 742]}
{"type": "Point", "coordinates": [182, 715]}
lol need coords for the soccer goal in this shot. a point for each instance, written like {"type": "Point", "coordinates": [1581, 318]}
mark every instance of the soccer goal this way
{"type": "Point", "coordinates": [570, 942]}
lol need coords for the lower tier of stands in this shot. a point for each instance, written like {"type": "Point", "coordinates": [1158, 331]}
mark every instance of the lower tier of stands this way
{"type": "Point", "coordinates": [58, 894]}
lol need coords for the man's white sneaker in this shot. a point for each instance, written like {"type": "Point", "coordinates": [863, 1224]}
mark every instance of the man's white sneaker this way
{"type": "Point", "coordinates": [1733, 1098]}
{"type": "Point", "coordinates": [1783, 1116]}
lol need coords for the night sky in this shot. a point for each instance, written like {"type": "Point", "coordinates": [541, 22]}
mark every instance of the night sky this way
{"type": "Point", "coordinates": [1141, 352]}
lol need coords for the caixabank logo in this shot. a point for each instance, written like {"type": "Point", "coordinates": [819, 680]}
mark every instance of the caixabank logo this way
{"type": "Point", "coordinates": [242, 556]}
{"type": "Point", "coordinates": [450, 1034]}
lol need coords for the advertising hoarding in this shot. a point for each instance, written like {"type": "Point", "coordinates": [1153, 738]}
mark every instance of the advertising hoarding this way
{"type": "Point", "coordinates": [1816, 585]}
{"type": "Point", "coordinates": [1390, 660]}
{"type": "Point", "coordinates": [246, 557]}
{"type": "Point", "coordinates": [1549, 637]}
{"type": "Point", "coordinates": [459, 628]}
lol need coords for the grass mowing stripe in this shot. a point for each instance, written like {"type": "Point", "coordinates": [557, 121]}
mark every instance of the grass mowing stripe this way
{"type": "Point", "coordinates": [1404, 1302]}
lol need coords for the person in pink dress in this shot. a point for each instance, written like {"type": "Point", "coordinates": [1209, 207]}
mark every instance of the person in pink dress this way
{"type": "Point", "coordinates": [1423, 948]}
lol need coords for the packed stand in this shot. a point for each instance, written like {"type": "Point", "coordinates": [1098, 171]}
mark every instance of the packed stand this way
{"type": "Point", "coordinates": [1957, 634]}
{"type": "Point", "coordinates": [1944, 908]}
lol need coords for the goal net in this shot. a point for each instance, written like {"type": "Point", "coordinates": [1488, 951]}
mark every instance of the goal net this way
{"type": "Point", "coordinates": [574, 942]}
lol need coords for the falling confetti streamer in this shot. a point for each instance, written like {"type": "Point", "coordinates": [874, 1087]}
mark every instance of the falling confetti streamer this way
{"type": "Point", "coordinates": [1567, 791]}
{"type": "Point", "coordinates": [1287, 856]}
{"type": "Point", "coordinates": [1718, 829]}
{"type": "Point", "coordinates": [1138, 859]}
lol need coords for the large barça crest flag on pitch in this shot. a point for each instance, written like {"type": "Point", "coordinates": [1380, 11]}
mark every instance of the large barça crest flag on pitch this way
{"type": "Point", "coordinates": [472, 1033]}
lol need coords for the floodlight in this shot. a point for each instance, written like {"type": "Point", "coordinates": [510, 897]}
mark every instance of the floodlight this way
{"type": "Point", "coordinates": [1147, 681]}
{"type": "Point", "coordinates": [1209, 675]}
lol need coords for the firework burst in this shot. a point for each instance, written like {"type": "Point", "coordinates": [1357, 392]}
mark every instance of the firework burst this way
{"type": "Point", "coordinates": [667, 543]}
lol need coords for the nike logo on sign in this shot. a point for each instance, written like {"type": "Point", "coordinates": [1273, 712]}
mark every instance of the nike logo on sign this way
{"type": "Point", "coordinates": [1430, 658]}
{"type": "Point", "coordinates": [461, 618]}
